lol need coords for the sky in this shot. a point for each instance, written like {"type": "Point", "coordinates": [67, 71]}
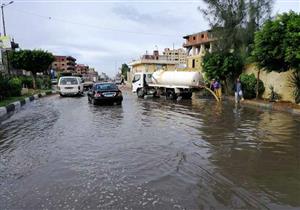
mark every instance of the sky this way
{"type": "Point", "coordinates": [106, 33]}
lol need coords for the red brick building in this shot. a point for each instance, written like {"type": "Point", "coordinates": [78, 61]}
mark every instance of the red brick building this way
{"type": "Point", "coordinates": [199, 42]}
{"type": "Point", "coordinates": [81, 69]}
{"type": "Point", "coordinates": [64, 63]}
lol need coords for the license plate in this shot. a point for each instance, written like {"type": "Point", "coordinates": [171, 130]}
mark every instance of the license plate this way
{"type": "Point", "coordinates": [68, 87]}
{"type": "Point", "coordinates": [109, 94]}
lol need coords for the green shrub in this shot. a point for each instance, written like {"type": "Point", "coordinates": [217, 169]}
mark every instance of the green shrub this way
{"type": "Point", "coordinates": [295, 84]}
{"type": "Point", "coordinates": [43, 82]}
{"type": "Point", "coordinates": [249, 85]}
{"type": "Point", "coordinates": [4, 88]}
{"type": "Point", "coordinates": [27, 81]}
{"type": "Point", "coordinates": [39, 82]}
{"type": "Point", "coordinates": [47, 83]}
{"type": "Point", "coordinates": [15, 86]}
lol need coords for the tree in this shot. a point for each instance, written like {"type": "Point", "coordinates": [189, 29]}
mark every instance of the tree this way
{"type": "Point", "coordinates": [32, 60]}
{"type": "Point", "coordinates": [124, 69]}
{"type": "Point", "coordinates": [222, 65]}
{"type": "Point", "coordinates": [234, 22]}
{"type": "Point", "coordinates": [277, 44]}
{"type": "Point", "coordinates": [225, 18]}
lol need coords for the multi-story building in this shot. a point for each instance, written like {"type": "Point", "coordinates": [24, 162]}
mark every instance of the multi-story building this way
{"type": "Point", "coordinates": [64, 64]}
{"type": "Point", "coordinates": [87, 73]}
{"type": "Point", "coordinates": [81, 69]}
{"type": "Point", "coordinates": [196, 45]}
{"type": "Point", "coordinates": [178, 55]}
{"type": "Point", "coordinates": [151, 63]}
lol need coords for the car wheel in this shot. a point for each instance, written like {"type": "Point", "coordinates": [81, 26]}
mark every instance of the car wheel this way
{"type": "Point", "coordinates": [93, 101]}
{"type": "Point", "coordinates": [140, 93]}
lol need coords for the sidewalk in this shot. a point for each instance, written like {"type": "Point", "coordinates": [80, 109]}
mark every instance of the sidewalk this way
{"type": "Point", "coordinates": [277, 106]}
{"type": "Point", "coordinates": [14, 106]}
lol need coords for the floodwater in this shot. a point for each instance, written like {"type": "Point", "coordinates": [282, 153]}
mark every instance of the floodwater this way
{"type": "Point", "coordinates": [63, 153]}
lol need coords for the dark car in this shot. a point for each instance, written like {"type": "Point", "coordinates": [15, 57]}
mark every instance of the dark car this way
{"type": "Point", "coordinates": [102, 93]}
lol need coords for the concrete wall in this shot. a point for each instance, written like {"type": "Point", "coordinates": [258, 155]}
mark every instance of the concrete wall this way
{"type": "Point", "coordinates": [280, 82]}
{"type": "Point", "coordinates": [198, 62]}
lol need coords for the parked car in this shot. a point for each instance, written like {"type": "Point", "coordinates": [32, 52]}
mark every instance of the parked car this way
{"type": "Point", "coordinates": [105, 93]}
{"type": "Point", "coordinates": [70, 85]}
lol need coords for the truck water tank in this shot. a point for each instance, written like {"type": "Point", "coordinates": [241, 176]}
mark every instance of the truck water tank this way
{"type": "Point", "coordinates": [177, 78]}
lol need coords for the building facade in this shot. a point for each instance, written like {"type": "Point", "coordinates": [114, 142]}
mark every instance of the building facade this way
{"type": "Point", "coordinates": [178, 55]}
{"type": "Point", "coordinates": [151, 63]}
{"type": "Point", "coordinates": [81, 69]}
{"type": "Point", "coordinates": [196, 46]}
{"type": "Point", "coordinates": [64, 64]}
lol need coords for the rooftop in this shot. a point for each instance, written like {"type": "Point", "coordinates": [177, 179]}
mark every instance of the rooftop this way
{"type": "Point", "coordinates": [152, 61]}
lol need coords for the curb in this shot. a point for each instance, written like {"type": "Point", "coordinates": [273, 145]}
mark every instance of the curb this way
{"type": "Point", "coordinates": [5, 110]}
{"type": "Point", "coordinates": [268, 106]}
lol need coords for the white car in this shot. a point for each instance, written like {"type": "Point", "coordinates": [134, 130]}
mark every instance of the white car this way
{"type": "Point", "coordinates": [70, 85]}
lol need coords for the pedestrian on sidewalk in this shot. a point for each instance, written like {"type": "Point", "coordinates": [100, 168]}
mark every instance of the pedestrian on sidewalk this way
{"type": "Point", "coordinates": [238, 91]}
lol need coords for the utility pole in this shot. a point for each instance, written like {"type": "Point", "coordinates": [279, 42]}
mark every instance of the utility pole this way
{"type": "Point", "coordinates": [4, 33]}
{"type": "Point", "coordinates": [3, 20]}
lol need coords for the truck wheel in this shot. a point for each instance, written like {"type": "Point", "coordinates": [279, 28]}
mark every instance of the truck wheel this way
{"type": "Point", "coordinates": [187, 95]}
{"type": "Point", "coordinates": [140, 93]}
{"type": "Point", "coordinates": [171, 95]}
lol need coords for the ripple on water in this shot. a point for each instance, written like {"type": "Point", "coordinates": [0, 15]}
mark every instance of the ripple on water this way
{"type": "Point", "coordinates": [66, 153]}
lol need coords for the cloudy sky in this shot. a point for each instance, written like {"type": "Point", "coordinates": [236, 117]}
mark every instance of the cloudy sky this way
{"type": "Point", "coordinates": [106, 33]}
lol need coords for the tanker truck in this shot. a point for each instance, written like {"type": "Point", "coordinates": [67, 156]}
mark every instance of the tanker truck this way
{"type": "Point", "coordinates": [172, 84]}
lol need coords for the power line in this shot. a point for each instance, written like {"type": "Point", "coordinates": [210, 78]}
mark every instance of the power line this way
{"type": "Point", "coordinates": [51, 18]}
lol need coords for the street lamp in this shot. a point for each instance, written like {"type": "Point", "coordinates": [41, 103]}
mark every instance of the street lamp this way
{"type": "Point", "coordinates": [3, 21]}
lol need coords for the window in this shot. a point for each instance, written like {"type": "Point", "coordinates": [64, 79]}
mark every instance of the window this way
{"type": "Point", "coordinates": [202, 36]}
{"type": "Point", "coordinates": [148, 78]}
{"type": "Point", "coordinates": [136, 78]}
{"type": "Point", "coordinates": [194, 38]}
{"type": "Point", "coordinates": [68, 81]}
{"type": "Point", "coordinates": [106, 86]}
{"type": "Point", "coordinates": [193, 63]}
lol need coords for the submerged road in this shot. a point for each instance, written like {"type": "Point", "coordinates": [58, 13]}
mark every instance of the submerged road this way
{"type": "Point", "coordinates": [63, 153]}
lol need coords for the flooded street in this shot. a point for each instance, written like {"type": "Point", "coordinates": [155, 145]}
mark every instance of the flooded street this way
{"type": "Point", "coordinates": [63, 153]}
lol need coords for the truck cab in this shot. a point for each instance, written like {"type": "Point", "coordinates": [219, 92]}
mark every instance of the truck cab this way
{"type": "Point", "coordinates": [140, 80]}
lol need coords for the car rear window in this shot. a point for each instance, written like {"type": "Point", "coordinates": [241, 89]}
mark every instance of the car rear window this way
{"type": "Point", "coordinates": [68, 81]}
{"type": "Point", "coordinates": [106, 87]}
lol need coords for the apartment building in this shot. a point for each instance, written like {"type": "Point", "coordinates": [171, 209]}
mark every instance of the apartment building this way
{"type": "Point", "coordinates": [151, 63]}
{"type": "Point", "coordinates": [81, 69]}
{"type": "Point", "coordinates": [64, 64]}
{"type": "Point", "coordinates": [196, 46]}
{"type": "Point", "coordinates": [178, 55]}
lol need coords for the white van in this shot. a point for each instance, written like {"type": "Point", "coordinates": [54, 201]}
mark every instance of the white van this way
{"type": "Point", "coordinates": [70, 85]}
